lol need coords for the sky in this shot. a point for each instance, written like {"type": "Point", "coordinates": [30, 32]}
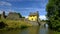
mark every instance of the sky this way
{"type": "Point", "coordinates": [24, 7]}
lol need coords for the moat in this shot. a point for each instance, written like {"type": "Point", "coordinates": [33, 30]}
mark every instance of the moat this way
{"type": "Point", "coordinates": [31, 30]}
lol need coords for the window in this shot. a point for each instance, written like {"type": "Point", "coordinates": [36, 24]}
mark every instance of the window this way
{"type": "Point", "coordinates": [32, 18]}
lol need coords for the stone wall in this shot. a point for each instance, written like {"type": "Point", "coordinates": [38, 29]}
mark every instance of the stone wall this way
{"type": "Point", "coordinates": [13, 16]}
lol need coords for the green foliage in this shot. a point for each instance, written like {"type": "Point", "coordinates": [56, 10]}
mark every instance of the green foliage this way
{"type": "Point", "coordinates": [0, 16]}
{"type": "Point", "coordinates": [53, 14]}
{"type": "Point", "coordinates": [43, 20]}
{"type": "Point", "coordinates": [20, 15]}
{"type": "Point", "coordinates": [13, 24]}
{"type": "Point", "coordinates": [2, 25]}
{"type": "Point", "coordinates": [23, 26]}
{"type": "Point", "coordinates": [16, 23]}
{"type": "Point", "coordinates": [23, 17]}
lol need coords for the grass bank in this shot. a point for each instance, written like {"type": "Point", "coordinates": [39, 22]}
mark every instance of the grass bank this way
{"type": "Point", "coordinates": [15, 24]}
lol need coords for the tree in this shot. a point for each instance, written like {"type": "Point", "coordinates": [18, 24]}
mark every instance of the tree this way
{"type": "Point", "coordinates": [23, 17]}
{"type": "Point", "coordinates": [53, 14]}
{"type": "Point", "coordinates": [0, 16]}
{"type": "Point", "coordinates": [20, 15]}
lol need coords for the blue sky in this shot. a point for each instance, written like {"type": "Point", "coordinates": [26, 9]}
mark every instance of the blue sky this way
{"type": "Point", "coordinates": [24, 7]}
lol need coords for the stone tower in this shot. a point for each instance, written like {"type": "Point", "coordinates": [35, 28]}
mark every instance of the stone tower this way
{"type": "Point", "coordinates": [3, 15]}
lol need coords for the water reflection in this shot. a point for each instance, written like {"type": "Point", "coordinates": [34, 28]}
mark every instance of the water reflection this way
{"type": "Point", "coordinates": [30, 30]}
{"type": "Point", "coordinates": [43, 30]}
{"type": "Point", "coordinates": [34, 30]}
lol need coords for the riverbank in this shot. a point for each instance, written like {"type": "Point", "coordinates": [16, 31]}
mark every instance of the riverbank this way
{"type": "Point", "coordinates": [14, 24]}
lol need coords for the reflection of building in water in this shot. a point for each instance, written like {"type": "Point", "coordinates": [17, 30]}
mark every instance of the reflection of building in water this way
{"type": "Point", "coordinates": [33, 16]}
{"type": "Point", "coordinates": [34, 30]}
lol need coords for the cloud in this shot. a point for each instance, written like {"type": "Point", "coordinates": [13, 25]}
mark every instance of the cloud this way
{"type": "Point", "coordinates": [26, 16]}
{"type": "Point", "coordinates": [43, 17]}
{"type": "Point", "coordinates": [26, 11]}
{"type": "Point", "coordinates": [2, 3]}
{"type": "Point", "coordinates": [7, 11]}
{"type": "Point", "coordinates": [1, 12]}
{"type": "Point", "coordinates": [30, 9]}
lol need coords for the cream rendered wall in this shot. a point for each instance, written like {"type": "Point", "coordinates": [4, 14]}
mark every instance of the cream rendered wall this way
{"type": "Point", "coordinates": [32, 18]}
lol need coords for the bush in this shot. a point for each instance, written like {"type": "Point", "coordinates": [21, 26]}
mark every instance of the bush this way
{"type": "Point", "coordinates": [53, 14]}
{"type": "Point", "coordinates": [2, 25]}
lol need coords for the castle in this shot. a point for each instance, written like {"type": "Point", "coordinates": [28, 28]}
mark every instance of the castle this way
{"type": "Point", "coordinates": [15, 16]}
{"type": "Point", "coordinates": [33, 18]}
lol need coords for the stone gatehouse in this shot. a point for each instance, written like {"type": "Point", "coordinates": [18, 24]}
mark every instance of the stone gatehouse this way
{"type": "Point", "coordinates": [33, 16]}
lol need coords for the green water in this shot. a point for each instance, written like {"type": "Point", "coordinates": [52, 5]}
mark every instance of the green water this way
{"type": "Point", "coordinates": [31, 30]}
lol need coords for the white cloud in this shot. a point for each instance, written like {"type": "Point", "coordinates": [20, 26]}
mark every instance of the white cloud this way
{"type": "Point", "coordinates": [0, 12]}
{"type": "Point", "coordinates": [42, 17]}
{"type": "Point", "coordinates": [2, 3]}
{"type": "Point", "coordinates": [11, 10]}
{"type": "Point", "coordinates": [26, 16]}
{"type": "Point", "coordinates": [39, 9]}
{"type": "Point", "coordinates": [6, 11]}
